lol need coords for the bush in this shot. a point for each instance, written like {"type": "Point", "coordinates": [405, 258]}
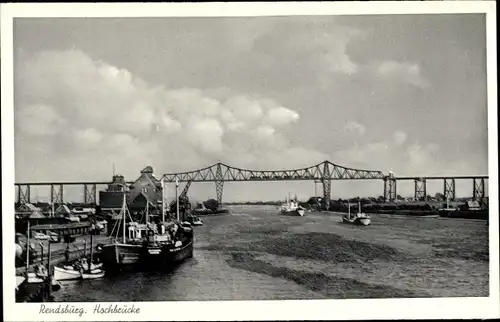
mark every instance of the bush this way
{"type": "Point", "coordinates": [211, 204]}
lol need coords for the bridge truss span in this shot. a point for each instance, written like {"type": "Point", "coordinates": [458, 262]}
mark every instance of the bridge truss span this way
{"type": "Point", "coordinates": [321, 171]}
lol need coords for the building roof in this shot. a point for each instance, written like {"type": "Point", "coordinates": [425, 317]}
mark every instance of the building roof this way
{"type": "Point", "coordinates": [36, 215]}
{"type": "Point", "coordinates": [30, 209]}
{"type": "Point", "coordinates": [64, 209]}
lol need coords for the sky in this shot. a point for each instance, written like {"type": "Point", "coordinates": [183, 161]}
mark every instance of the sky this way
{"type": "Point", "coordinates": [402, 93]}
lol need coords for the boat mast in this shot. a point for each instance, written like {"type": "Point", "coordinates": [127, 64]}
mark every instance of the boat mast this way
{"type": "Point", "coordinates": [123, 215]}
{"type": "Point", "coordinates": [162, 199]}
{"type": "Point", "coordinates": [147, 211]}
{"type": "Point", "coordinates": [28, 248]}
{"type": "Point", "coordinates": [91, 250]}
{"type": "Point", "coordinates": [177, 197]}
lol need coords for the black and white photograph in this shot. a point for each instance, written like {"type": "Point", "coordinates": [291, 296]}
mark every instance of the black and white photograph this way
{"type": "Point", "coordinates": [192, 158]}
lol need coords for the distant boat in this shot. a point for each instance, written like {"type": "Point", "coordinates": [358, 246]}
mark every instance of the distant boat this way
{"type": "Point", "coordinates": [194, 220]}
{"type": "Point", "coordinates": [360, 219]}
{"type": "Point", "coordinates": [292, 208]}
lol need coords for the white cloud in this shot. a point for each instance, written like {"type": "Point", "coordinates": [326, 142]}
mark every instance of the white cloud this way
{"type": "Point", "coordinates": [403, 71]}
{"type": "Point", "coordinates": [281, 116]}
{"type": "Point", "coordinates": [399, 137]}
{"type": "Point", "coordinates": [98, 109]}
{"type": "Point", "coordinates": [354, 126]}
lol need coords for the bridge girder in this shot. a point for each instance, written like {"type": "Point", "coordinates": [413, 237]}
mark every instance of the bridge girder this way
{"type": "Point", "coordinates": [478, 192]}
{"type": "Point", "coordinates": [90, 194]}
{"type": "Point", "coordinates": [222, 172]}
{"type": "Point", "coordinates": [24, 194]}
{"type": "Point", "coordinates": [219, 183]}
{"type": "Point", "coordinates": [449, 189]}
{"type": "Point", "coordinates": [57, 194]}
{"type": "Point", "coordinates": [420, 189]}
{"type": "Point", "coordinates": [390, 192]}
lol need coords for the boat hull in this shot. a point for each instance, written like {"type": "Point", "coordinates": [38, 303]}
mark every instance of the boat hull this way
{"type": "Point", "coordinates": [61, 274]}
{"type": "Point", "coordinates": [346, 220]}
{"type": "Point", "coordinates": [362, 221]}
{"type": "Point", "coordinates": [118, 255]}
{"type": "Point", "coordinates": [34, 278]}
{"type": "Point", "coordinates": [296, 212]}
{"type": "Point", "coordinates": [166, 255]}
{"type": "Point", "coordinates": [98, 273]}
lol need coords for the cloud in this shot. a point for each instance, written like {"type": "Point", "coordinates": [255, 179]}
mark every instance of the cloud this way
{"type": "Point", "coordinates": [399, 137]}
{"type": "Point", "coordinates": [403, 71]}
{"type": "Point", "coordinates": [354, 126]}
{"type": "Point", "coordinates": [281, 116]}
{"type": "Point", "coordinates": [91, 114]}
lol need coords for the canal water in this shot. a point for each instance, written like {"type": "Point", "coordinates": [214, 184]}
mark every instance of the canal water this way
{"type": "Point", "coordinates": [256, 254]}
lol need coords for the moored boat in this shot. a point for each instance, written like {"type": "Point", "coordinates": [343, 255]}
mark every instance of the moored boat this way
{"type": "Point", "coordinates": [360, 219]}
{"type": "Point", "coordinates": [63, 274]}
{"type": "Point", "coordinates": [194, 220]}
{"type": "Point", "coordinates": [124, 250]}
{"type": "Point", "coordinates": [292, 208]}
{"type": "Point", "coordinates": [168, 242]}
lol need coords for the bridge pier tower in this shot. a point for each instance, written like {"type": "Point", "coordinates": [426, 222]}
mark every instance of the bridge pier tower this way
{"type": "Point", "coordinates": [219, 183]}
{"type": "Point", "coordinates": [57, 194]}
{"type": "Point", "coordinates": [478, 190]}
{"type": "Point", "coordinates": [420, 189]}
{"type": "Point", "coordinates": [90, 194]}
{"type": "Point", "coordinates": [449, 189]}
{"type": "Point", "coordinates": [327, 186]}
{"type": "Point", "coordinates": [24, 194]}
{"type": "Point", "coordinates": [390, 188]}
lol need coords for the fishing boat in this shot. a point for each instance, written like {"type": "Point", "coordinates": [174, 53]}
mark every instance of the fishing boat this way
{"type": "Point", "coordinates": [292, 208]}
{"type": "Point", "coordinates": [169, 241]}
{"type": "Point", "coordinates": [124, 250]}
{"type": "Point", "coordinates": [360, 219]}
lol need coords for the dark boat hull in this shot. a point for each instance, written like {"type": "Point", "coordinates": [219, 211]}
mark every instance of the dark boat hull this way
{"type": "Point", "coordinates": [363, 221]}
{"type": "Point", "coordinates": [164, 256]}
{"type": "Point", "coordinates": [118, 255]}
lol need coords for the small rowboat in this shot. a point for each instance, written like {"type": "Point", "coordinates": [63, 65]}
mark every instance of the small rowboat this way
{"type": "Point", "coordinates": [63, 274]}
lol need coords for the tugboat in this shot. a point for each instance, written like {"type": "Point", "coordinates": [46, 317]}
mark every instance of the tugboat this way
{"type": "Point", "coordinates": [360, 219]}
{"type": "Point", "coordinates": [292, 208]}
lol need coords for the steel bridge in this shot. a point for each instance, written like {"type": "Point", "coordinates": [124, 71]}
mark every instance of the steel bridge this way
{"type": "Point", "coordinates": [323, 172]}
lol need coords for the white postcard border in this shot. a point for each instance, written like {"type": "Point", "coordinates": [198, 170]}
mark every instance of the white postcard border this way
{"type": "Point", "coordinates": [437, 308]}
